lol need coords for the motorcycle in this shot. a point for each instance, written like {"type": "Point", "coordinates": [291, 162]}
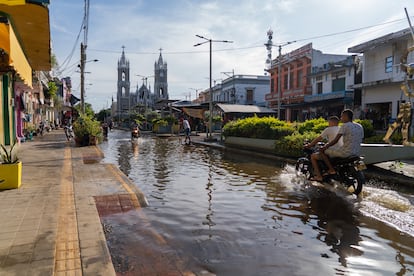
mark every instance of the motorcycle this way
{"type": "Point", "coordinates": [134, 133]}
{"type": "Point", "coordinates": [348, 170]}
{"type": "Point", "coordinates": [69, 132]}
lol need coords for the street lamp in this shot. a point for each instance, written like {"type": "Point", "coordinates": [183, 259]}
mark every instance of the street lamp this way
{"type": "Point", "coordinates": [82, 77]}
{"type": "Point", "coordinates": [210, 41]}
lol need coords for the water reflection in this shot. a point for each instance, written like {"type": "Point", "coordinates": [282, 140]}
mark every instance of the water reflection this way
{"type": "Point", "coordinates": [237, 215]}
{"type": "Point", "coordinates": [209, 188]}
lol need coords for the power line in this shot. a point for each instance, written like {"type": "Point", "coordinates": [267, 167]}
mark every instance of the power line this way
{"type": "Point", "coordinates": [253, 46]}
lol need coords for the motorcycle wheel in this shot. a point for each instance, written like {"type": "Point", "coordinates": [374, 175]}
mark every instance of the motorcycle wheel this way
{"type": "Point", "coordinates": [357, 180]}
{"type": "Point", "coordinates": [303, 167]}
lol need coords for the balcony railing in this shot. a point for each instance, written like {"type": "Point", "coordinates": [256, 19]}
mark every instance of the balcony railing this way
{"type": "Point", "coordinates": [329, 96]}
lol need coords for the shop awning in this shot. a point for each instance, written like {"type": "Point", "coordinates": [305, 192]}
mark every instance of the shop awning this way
{"type": "Point", "coordinates": [30, 23]}
{"type": "Point", "coordinates": [16, 57]}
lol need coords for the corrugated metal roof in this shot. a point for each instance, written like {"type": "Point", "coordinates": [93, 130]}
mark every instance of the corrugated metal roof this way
{"type": "Point", "coordinates": [239, 108]}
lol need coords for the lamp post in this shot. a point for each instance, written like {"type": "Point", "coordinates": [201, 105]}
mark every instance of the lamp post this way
{"type": "Point", "coordinates": [82, 75]}
{"type": "Point", "coordinates": [210, 41]}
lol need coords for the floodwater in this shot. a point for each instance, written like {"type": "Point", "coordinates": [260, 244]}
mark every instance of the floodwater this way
{"type": "Point", "coordinates": [212, 212]}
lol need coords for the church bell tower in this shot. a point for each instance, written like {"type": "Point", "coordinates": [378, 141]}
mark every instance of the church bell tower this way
{"type": "Point", "coordinates": [123, 95]}
{"type": "Point", "coordinates": [160, 79]}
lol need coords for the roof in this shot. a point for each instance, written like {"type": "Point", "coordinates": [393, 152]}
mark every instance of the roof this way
{"type": "Point", "coordinates": [371, 44]}
{"type": "Point", "coordinates": [239, 108]}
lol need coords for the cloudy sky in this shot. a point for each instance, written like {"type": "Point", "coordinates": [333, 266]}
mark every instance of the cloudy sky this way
{"type": "Point", "coordinates": [145, 26]}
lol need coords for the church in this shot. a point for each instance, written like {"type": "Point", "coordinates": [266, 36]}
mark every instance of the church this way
{"type": "Point", "coordinates": [142, 98]}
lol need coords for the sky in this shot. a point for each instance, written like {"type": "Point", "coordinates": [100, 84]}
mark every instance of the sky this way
{"type": "Point", "coordinates": [145, 26]}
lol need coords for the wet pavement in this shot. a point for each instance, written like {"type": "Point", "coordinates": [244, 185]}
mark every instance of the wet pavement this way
{"type": "Point", "coordinates": [50, 225]}
{"type": "Point", "coordinates": [72, 207]}
{"type": "Point", "coordinates": [226, 213]}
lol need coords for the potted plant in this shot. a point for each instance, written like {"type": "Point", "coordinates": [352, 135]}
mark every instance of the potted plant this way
{"type": "Point", "coordinates": [87, 131]}
{"type": "Point", "coordinates": [10, 167]}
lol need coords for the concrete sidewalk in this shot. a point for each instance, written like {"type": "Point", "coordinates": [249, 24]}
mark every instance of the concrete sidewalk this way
{"type": "Point", "coordinates": [50, 225]}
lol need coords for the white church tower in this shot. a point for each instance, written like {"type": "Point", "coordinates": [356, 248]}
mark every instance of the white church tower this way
{"type": "Point", "coordinates": [160, 79]}
{"type": "Point", "coordinates": [123, 95]}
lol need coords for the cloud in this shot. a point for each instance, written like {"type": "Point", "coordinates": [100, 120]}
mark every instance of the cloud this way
{"type": "Point", "coordinates": [145, 26]}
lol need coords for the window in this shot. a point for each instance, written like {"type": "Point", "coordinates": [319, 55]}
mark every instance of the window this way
{"type": "Point", "coordinates": [272, 85]}
{"type": "Point", "coordinates": [338, 84]}
{"type": "Point", "coordinates": [249, 95]}
{"type": "Point", "coordinates": [388, 64]}
{"type": "Point", "coordinates": [319, 87]}
{"type": "Point", "coordinates": [285, 81]}
{"type": "Point", "coordinates": [299, 78]}
{"type": "Point", "coordinates": [291, 80]}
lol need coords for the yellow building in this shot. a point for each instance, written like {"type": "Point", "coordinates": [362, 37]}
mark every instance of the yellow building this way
{"type": "Point", "coordinates": [24, 48]}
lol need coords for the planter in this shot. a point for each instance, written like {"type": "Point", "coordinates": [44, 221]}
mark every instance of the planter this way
{"type": "Point", "coordinates": [263, 145]}
{"type": "Point", "coordinates": [11, 174]}
{"type": "Point", "coordinates": [93, 140]}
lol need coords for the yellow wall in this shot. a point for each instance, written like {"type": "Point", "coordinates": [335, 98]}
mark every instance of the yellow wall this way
{"type": "Point", "coordinates": [1, 111]}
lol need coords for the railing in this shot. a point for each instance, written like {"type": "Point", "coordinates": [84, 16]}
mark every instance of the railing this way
{"type": "Point", "coordinates": [329, 96]}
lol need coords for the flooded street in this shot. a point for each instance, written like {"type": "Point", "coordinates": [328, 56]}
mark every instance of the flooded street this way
{"type": "Point", "coordinates": [230, 214]}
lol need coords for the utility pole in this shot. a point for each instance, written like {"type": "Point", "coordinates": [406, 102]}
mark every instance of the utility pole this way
{"type": "Point", "coordinates": [210, 41]}
{"type": "Point", "coordinates": [279, 77]}
{"type": "Point", "coordinates": [82, 76]}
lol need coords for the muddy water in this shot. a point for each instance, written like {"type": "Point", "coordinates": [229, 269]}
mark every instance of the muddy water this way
{"type": "Point", "coordinates": [229, 214]}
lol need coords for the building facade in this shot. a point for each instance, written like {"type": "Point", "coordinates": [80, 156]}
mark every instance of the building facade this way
{"type": "Point", "coordinates": [290, 81]}
{"type": "Point", "coordinates": [331, 89]}
{"type": "Point", "coordinates": [22, 57]}
{"type": "Point", "coordinates": [239, 89]}
{"type": "Point", "coordinates": [382, 76]}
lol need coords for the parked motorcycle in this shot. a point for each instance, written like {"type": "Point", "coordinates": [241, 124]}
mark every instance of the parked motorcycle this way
{"type": "Point", "coordinates": [348, 170]}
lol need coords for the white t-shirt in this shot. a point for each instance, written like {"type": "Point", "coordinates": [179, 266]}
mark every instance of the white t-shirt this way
{"type": "Point", "coordinates": [186, 124]}
{"type": "Point", "coordinates": [329, 134]}
{"type": "Point", "coordinates": [352, 135]}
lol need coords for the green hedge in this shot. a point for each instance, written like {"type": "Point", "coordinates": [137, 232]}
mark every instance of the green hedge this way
{"type": "Point", "coordinates": [290, 137]}
{"type": "Point", "coordinates": [255, 127]}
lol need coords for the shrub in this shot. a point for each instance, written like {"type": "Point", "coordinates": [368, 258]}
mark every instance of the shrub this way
{"type": "Point", "coordinates": [292, 145]}
{"type": "Point", "coordinates": [86, 126]}
{"type": "Point", "coordinates": [262, 128]}
{"type": "Point", "coordinates": [313, 125]}
{"type": "Point", "coordinates": [376, 139]}
{"type": "Point", "coordinates": [368, 127]}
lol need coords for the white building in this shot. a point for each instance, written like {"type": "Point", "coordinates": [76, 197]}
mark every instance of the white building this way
{"type": "Point", "coordinates": [331, 91]}
{"type": "Point", "coordinates": [240, 89]}
{"type": "Point", "coordinates": [382, 76]}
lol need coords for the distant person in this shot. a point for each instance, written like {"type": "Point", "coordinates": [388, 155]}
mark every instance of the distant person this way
{"type": "Point", "coordinates": [329, 135]}
{"type": "Point", "coordinates": [187, 130]}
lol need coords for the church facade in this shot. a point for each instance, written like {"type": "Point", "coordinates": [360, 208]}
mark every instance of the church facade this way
{"type": "Point", "coordinates": [142, 98]}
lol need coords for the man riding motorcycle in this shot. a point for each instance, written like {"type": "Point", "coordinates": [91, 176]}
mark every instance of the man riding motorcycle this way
{"type": "Point", "coordinates": [328, 134]}
{"type": "Point", "coordinates": [352, 135]}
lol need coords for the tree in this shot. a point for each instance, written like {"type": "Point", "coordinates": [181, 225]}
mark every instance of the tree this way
{"type": "Point", "coordinates": [103, 114]}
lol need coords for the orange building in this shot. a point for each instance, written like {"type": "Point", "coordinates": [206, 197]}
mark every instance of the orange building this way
{"type": "Point", "coordinates": [294, 83]}
{"type": "Point", "coordinates": [291, 90]}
